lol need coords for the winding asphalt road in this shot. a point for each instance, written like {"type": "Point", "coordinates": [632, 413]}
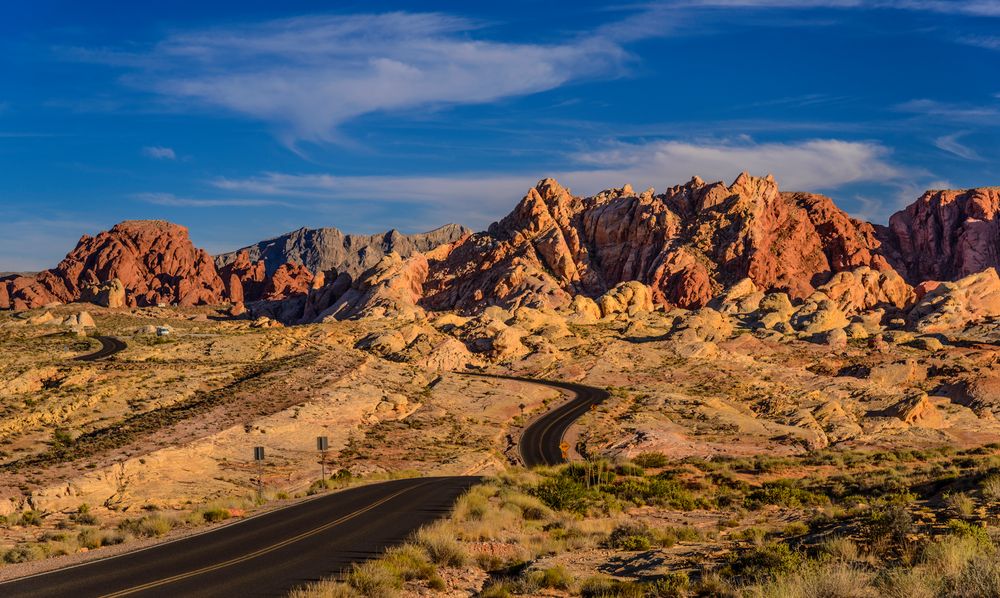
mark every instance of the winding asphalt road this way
{"type": "Point", "coordinates": [109, 346]}
{"type": "Point", "coordinates": [268, 554]}
{"type": "Point", "coordinates": [540, 440]}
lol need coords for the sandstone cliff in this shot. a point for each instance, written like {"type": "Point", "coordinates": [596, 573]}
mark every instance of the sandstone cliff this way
{"type": "Point", "coordinates": [688, 244]}
{"type": "Point", "coordinates": [946, 235]}
{"type": "Point", "coordinates": [154, 261]}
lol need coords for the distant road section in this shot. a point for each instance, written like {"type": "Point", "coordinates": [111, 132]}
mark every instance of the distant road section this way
{"type": "Point", "coordinates": [539, 443]}
{"type": "Point", "coordinates": [109, 346]}
{"type": "Point", "coordinates": [266, 555]}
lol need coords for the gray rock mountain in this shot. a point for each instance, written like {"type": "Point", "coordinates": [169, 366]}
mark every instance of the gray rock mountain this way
{"type": "Point", "coordinates": [321, 249]}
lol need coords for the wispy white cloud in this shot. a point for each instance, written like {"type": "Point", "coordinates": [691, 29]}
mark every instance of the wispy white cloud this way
{"type": "Point", "coordinates": [172, 201]}
{"type": "Point", "coordinates": [307, 75]}
{"type": "Point", "coordinates": [804, 165]}
{"type": "Point", "coordinates": [990, 42]}
{"type": "Point", "coordinates": [971, 113]}
{"type": "Point", "coordinates": [478, 198]}
{"type": "Point", "coordinates": [159, 152]}
{"type": "Point", "coordinates": [950, 144]}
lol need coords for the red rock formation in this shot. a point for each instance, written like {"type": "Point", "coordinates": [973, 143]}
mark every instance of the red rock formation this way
{"type": "Point", "coordinates": [946, 235]}
{"type": "Point", "coordinates": [244, 280]}
{"type": "Point", "coordinates": [687, 244]}
{"type": "Point", "coordinates": [288, 280]}
{"type": "Point", "coordinates": [155, 261]}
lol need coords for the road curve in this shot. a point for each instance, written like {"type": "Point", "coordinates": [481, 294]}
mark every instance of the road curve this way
{"type": "Point", "coordinates": [268, 554]}
{"type": "Point", "coordinates": [265, 555]}
{"type": "Point", "coordinates": [540, 440]}
{"type": "Point", "coordinates": [109, 346]}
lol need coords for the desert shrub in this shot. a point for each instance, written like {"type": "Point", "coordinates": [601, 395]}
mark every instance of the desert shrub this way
{"type": "Point", "coordinates": [829, 580]}
{"type": "Point", "coordinates": [441, 547]}
{"type": "Point", "coordinates": [947, 556]}
{"type": "Point", "coordinates": [472, 506]}
{"type": "Point", "coordinates": [782, 493]}
{"type": "Point", "coordinates": [112, 538]}
{"type": "Point", "coordinates": [531, 507]}
{"type": "Point", "coordinates": [496, 590]}
{"type": "Point", "coordinates": [976, 532]}
{"type": "Point", "coordinates": [990, 488]}
{"type": "Point", "coordinates": [553, 577]}
{"type": "Point", "coordinates": [89, 538]}
{"type": "Point", "coordinates": [654, 491]}
{"type": "Point", "coordinates": [215, 514]}
{"type": "Point", "coordinates": [651, 460]}
{"type": "Point", "coordinates": [764, 562]}
{"type": "Point", "coordinates": [960, 503]}
{"type": "Point", "coordinates": [321, 485]}
{"type": "Point", "coordinates": [908, 583]}
{"type": "Point", "coordinates": [562, 494]}
{"type": "Point", "coordinates": [27, 518]}
{"type": "Point", "coordinates": [409, 562]}
{"type": "Point", "coordinates": [23, 554]}
{"type": "Point", "coordinates": [324, 589]}
{"type": "Point", "coordinates": [629, 469]}
{"type": "Point", "coordinates": [607, 587]}
{"type": "Point", "coordinates": [149, 526]}
{"type": "Point", "coordinates": [373, 580]}
{"type": "Point", "coordinates": [630, 536]}
{"type": "Point", "coordinates": [980, 578]}
{"type": "Point", "coordinates": [887, 527]}
{"type": "Point", "coordinates": [840, 549]}
{"type": "Point", "coordinates": [667, 537]}
{"type": "Point", "coordinates": [83, 516]}
{"type": "Point", "coordinates": [796, 528]}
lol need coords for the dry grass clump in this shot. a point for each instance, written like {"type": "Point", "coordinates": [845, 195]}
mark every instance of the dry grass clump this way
{"type": "Point", "coordinates": [149, 526]}
{"type": "Point", "coordinates": [439, 542]}
{"type": "Point", "coordinates": [828, 580]}
{"type": "Point", "coordinates": [990, 488]}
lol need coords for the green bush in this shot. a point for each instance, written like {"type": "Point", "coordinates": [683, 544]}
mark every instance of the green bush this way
{"type": "Point", "coordinates": [562, 494]}
{"type": "Point", "coordinates": [629, 469]}
{"type": "Point", "coordinates": [216, 514]}
{"type": "Point", "coordinates": [150, 526]}
{"type": "Point", "coordinates": [651, 460]}
{"type": "Point", "coordinates": [782, 493]}
{"type": "Point", "coordinates": [83, 516]}
{"type": "Point", "coordinates": [29, 518]}
{"type": "Point", "coordinates": [556, 578]}
{"type": "Point", "coordinates": [766, 562]}
{"type": "Point", "coordinates": [23, 554]}
{"type": "Point", "coordinates": [607, 587]}
{"type": "Point", "coordinates": [631, 536]}
{"type": "Point", "coordinates": [973, 531]}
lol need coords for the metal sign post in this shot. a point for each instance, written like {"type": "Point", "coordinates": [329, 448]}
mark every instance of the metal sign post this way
{"type": "Point", "coordinates": [322, 444]}
{"type": "Point", "coordinates": [258, 456]}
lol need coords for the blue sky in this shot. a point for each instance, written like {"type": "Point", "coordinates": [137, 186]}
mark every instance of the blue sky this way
{"type": "Point", "coordinates": [243, 120]}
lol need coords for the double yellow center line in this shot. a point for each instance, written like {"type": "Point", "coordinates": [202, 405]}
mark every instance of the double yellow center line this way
{"type": "Point", "coordinates": [262, 551]}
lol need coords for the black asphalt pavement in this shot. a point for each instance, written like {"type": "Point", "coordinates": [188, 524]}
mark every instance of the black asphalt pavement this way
{"type": "Point", "coordinates": [109, 346]}
{"type": "Point", "coordinates": [268, 554]}
{"type": "Point", "coordinates": [539, 444]}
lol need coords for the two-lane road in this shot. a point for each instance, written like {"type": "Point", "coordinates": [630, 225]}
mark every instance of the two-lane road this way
{"type": "Point", "coordinates": [268, 554]}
